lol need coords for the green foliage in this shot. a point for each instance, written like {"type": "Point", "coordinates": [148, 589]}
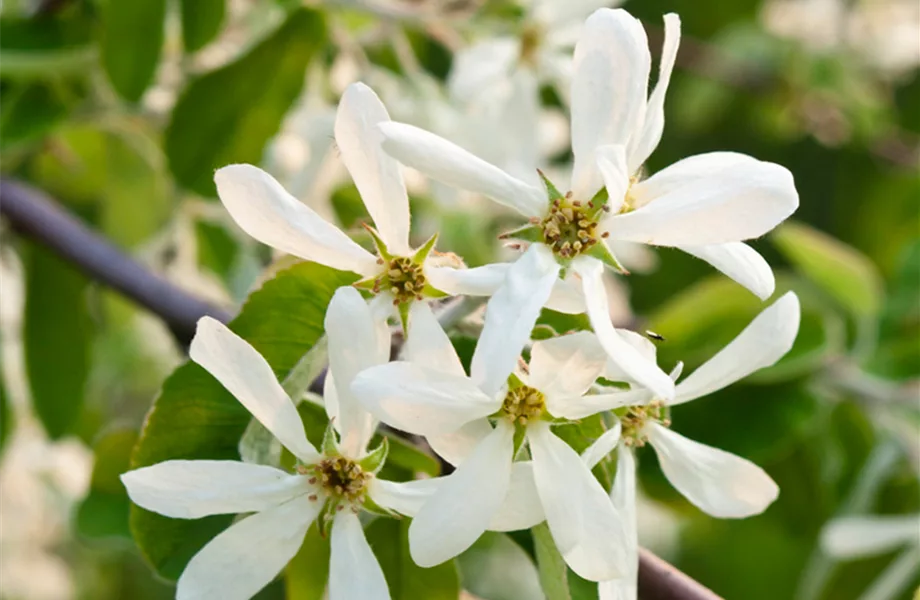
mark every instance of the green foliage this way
{"type": "Point", "coordinates": [550, 564]}
{"type": "Point", "coordinates": [45, 48]}
{"type": "Point", "coordinates": [104, 512]}
{"type": "Point", "coordinates": [495, 567]}
{"type": "Point", "coordinates": [306, 575]}
{"type": "Point", "coordinates": [201, 22]}
{"type": "Point", "coordinates": [196, 418]}
{"type": "Point", "coordinates": [389, 539]}
{"type": "Point", "coordinates": [56, 337]}
{"type": "Point", "coordinates": [227, 116]}
{"type": "Point", "coordinates": [132, 37]}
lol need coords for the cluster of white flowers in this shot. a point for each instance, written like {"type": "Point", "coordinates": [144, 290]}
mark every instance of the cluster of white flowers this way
{"type": "Point", "coordinates": [495, 424]}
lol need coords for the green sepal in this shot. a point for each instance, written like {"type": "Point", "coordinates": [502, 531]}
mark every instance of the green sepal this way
{"type": "Point", "coordinates": [366, 284]}
{"type": "Point", "coordinates": [514, 381]}
{"type": "Point", "coordinates": [599, 201]}
{"type": "Point", "coordinates": [326, 516]}
{"type": "Point", "coordinates": [601, 252]}
{"type": "Point", "coordinates": [379, 244]}
{"type": "Point", "coordinates": [403, 309]}
{"type": "Point", "coordinates": [551, 191]}
{"type": "Point", "coordinates": [375, 458]}
{"type": "Point", "coordinates": [372, 507]}
{"type": "Point", "coordinates": [520, 435]}
{"type": "Point", "coordinates": [330, 442]}
{"type": "Point", "coordinates": [526, 233]}
{"type": "Point", "coordinates": [422, 253]}
{"type": "Point", "coordinates": [429, 291]}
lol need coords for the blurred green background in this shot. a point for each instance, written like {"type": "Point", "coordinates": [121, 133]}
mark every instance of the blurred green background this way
{"type": "Point", "coordinates": [122, 110]}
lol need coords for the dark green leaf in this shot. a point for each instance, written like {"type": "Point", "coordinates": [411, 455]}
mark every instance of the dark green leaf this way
{"type": "Point", "coordinates": [29, 110]}
{"type": "Point", "coordinates": [201, 21]}
{"type": "Point", "coordinates": [57, 332]}
{"type": "Point", "coordinates": [132, 37]}
{"type": "Point", "coordinates": [228, 115]}
{"type": "Point", "coordinates": [196, 418]}
{"type": "Point", "coordinates": [305, 576]}
{"type": "Point", "coordinates": [389, 538]}
{"type": "Point", "coordinates": [104, 512]}
{"type": "Point", "coordinates": [45, 48]}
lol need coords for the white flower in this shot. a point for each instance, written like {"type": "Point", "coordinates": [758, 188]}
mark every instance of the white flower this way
{"type": "Point", "coordinates": [719, 483]}
{"type": "Point", "coordinates": [853, 538]}
{"type": "Point", "coordinates": [705, 205]}
{"type": "Point", "coordinates": [431, 395]}
{"type": "Point", "coordinates": [331, 485]}
{"type": "Point", "coordinates": [399, 275]}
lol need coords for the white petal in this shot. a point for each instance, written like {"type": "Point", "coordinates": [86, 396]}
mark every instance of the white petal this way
{"type": "Point", "coordinates": [626, 356]}
{"type": "Point", "coordinates": [571, 12]}
{"type": "Point", "coordinates": [353, 569]}
{"type": "Point", "coordinates": [856, 537]}
{"type": "Point", "coordinates": [567, 296]}
{"type": "Point", "coordinates": [331, 401]}
{"type": "Point", "coordinates": [448, 163]}
{"type": "Point", "coordinates": [356, 342]}
{"type": "Point", "coordinates": [264, 210]}
{"type": "Point", "coordinates": [228, 568]}
{"type": "Point", "coordinates": [585, 526]}
{"type": "Point", "coordinates": [623, 496]}
{"type": "Point", "coordinates": [579, 407]}
{"type": "Point", "coordinates": [427, 344]}
{"type": "Point", "coordinates": [375, 173]}
{"type": "Point", "coordinates": [465, 502]}
{"type": "Point", "coordinates": [478, 281]}
{"type": "Point", "coordinates": [741, 203]}
{"type": "Point", "coordinates": [719, 483]}
{"type": "Point", "coordinates": [482, 66]}
{"type": "Point", "coordinates": [566, 365]}
{"type": "Point", "coordinates": [511, 315]}
{"type": "Point", "coordinates": [521, 508]}
{"type": "Point", "coordinates": [421, 400]}
{"type": "Point", "coordinates": [403, 497]}
{"type": "Point", "coordinates": [609, 89]}
{"type": "Point", "coordinates": [602, 446]}
{"type": "Point", "coordinates": [455, 446]}
{"type": "Point", "coordinates": [644, 141]}
{"type": "Point", "coordinates": [700, 167]}
{"type": "Point", "coordinates": [740, 262]}
{"type": "Point", "coordinates": [642, 344]}
{"type": "Point", "coordinates": [246, 375]}
{"type": "Point", "coordinates": [191, 489]}
{"type": "Point", "coordinates": [763, 342]}
{"type": "Point", "coordinates": [611, 162]}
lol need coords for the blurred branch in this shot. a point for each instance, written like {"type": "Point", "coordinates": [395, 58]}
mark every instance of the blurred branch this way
{"type": "Point", "coordinates": [32, 213]}
{"type": "Point", "coordinates": [660, 580]}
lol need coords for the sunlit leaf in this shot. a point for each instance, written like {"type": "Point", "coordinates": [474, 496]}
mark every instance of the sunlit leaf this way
{"type": "Point", "coordinates": [132, 36]}
{"type": "Point", "coordinates": [201, 21]}
{"type": "Point", "coordinates": [104, 512]}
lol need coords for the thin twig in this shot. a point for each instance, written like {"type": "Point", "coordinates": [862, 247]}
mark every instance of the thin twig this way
{"type": "Point", "coordinates": [660, 580]}
{"type": "Point", "coordinates": [32, 213]}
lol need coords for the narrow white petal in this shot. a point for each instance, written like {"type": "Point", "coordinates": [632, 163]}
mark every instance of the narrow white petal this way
{"type": "Point", "coordinates": [579, 407]}
{"type": "Point", "coordinates": [448, 163]}
{"type": "Point", "coordinates": [465, 502]}
{"type": "Point", "coordinates": [700, 167]}
{"type": "Point", "coordinates": [585, 525]}
{"type": "Point", "coordinates": [191, 489]}
{"type": "Point", "coordinates": [740, 262]}
{"type": "Point", "coordinates": [567, 296]}
{"type": "Point", "coordinates": [353, 569]}
{"type": "Point", "coordinates": [630, 360]}
{"type": "Point", "coordinates": [642, 344]}
{"type": "Point", "coordinates": [645, 140]}
{"type": "Point", "coordinates": [521, 508]}
{"type": "Point", "coordinates": [228, 568]}
{"type": "Point", "coordinates": [609, 88]}
{"type": "Point", "coordinates": [478, 281]}
{"type": "Point", "coordinates": [421, 400]}
{"type": "Point", "coordinates": [356, 342]}
{"type": "Point", "coordinates": [763, 342]}
{"type": "Point", "coordinates": [602, 446]}
{"type": "Point", "coordinates": [743, 202]}
{"type": "Point", "coordinates": [719, 483]}
{"type": "Point", "coordinates": [455, 446]}
{"type": "Point", "coordinates": [611, 161]}
{"type": "Point", "coordinates": [264, 210]}
{"type": "Point", "coordinates": [403, 497]}
{"type": "Point", "coordinates": [856, 537]}
{"type": "Point", "coordinates": [566, 365]}
{"type": "Point", "coordinates": [563, 14]}
{"type": "Point", "coordinates": [246, 375]}
{"type": "Point", "coordinates": [375, 173]}
{"type": "Point", "coordinates": [623, 496]}
{"type": "Point", "coordinates": [427, 344]}
{"type": "Point", "coordinates": [331, 401]}
{"type": "Point", "coordinates": [482, 66]}
{"type": "Point", "coordinates": [510, 316]}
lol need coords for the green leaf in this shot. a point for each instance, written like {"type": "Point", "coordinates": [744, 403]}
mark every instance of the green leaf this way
{"type": "Point", "coordinates": [6, 415]}
{"type": "Point", "coordinates": [46, 48]}
{"type": "Point", "coordinates": [56, 335]}
{"type": "Point", "coordinates": [550, 565]}
{"type": "Point", "coordinates": [400, 453]}
{"type": "Point", "coordinates": [228, 115]}
{"type": "Point", "coordinates": [196, 418]}
{"type": "Point", "coordinates": [132, 36]}
{"type": "Point", "coordinates": [389, 538]}
{"type": "Point", "coordinates": [305, 576]}
{"type": "Point", "coordinates": [201, 21]}
{"type": "Point", "coordinates": [495, 567]}
{"type": "Point", "coordinates": [840, 270]}
{"type": "Point", "coordinates": [104, 512]}
{"type": "Point", "coordinates": [31, 109]}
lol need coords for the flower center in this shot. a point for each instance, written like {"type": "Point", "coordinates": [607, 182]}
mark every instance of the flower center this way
{"type": "Point", "coordinates": [531, 38]}
{"type": "Point", "coordinates": [636, 417]}
{"type": "Point", "coordinates": [570, 229]}
{"type": "Point", "coordinates": [403, 278]}
{"type": "Point", "coordinates": [340, 478]}
{"type": "Point", "coordinates": [523, 404]}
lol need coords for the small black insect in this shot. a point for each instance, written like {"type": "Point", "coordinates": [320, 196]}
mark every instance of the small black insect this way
{"type": "Point", "coordinates": [655, 336]}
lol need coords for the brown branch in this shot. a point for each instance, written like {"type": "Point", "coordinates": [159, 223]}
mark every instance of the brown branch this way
{"type": "Point", "coordinates": [660, 580]}
{"type": "Point", "coordinates": [32, 213]}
